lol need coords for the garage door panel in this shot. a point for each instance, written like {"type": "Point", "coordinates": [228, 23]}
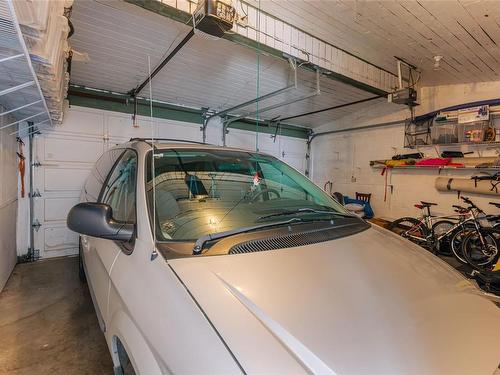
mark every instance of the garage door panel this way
{"type": "Point", "coordinates": [59, 241]}
{"type": "Point", "coordinates": [57, 209]}
{"type": "Point", "coordinates": [240, 139]}
{"type": "Point", "coordinates": [71, 150]}
{"type": "Point", "coordinates": [83, 122]}
{"type": "Point", "coordinates": [66, 155]}
{"type": "Point", "coordinates": [64, 179]}
{"type": "Point", "coordinates": [297, 161]}
{"type": "Point", "coordinates": [120, 129]}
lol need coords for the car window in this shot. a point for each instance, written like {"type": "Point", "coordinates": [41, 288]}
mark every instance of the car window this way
{"type": "Point", "coordinates": [119, 191]}
{"type": "Point", "coordinates": [276, 179]}
{"type": "Point", "coordinates": [95, 181]}
{"type": "Point", "coordinates": [198, 192]}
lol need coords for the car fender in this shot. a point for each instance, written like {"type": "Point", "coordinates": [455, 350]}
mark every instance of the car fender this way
{"type": "Point", "coordinates": [122, 327]}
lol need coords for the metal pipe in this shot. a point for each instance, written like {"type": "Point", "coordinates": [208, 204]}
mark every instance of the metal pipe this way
{"type": "Point", "coordinates": [221, 113]}
{"type": "Point", "coordinates": [24, 119]}
{"type": "Point", "coordinates": [332, 108]}
{"type": "Point", "coordinates": [308, 159]}
{"type": "Point", "coordinates": [203, 128]}
{"type": "Point", "coordinates": [31, 250]}
{"type": "Point", "coordinates": [274, 106]}
{"type": "Point", "coordinates": [16, 88]}
{"type": "Point", "coordinates": [21, 107]}
{"type": "Point", "coordinates": [177, 48]}
{"type": "Point", "coordinates": [255, 100]}
{"type": "Point", "coordinates": [315, 135]}
{"type": "Point", "coordinates": [271, 107]}
{"type": "Point", "coordinates": [11, 58]}
{"type": "Point", "coordinates": [287, 88]}
{"type": "Point", "coordinates": [373, 126]}
{"type": "Point", "coordinates": [400, 75]}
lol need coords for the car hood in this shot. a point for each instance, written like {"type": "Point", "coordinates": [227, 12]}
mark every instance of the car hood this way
{"type": "Point", "coordinates": [370, 303]}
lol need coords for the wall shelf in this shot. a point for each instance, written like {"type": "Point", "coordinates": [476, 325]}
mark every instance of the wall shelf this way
{"type": "Point", "coordinates": [438, 168]}
{"type": "Point", "coordinates": [448, 129]}
{"type": "Point", "coordinates": [497, 143]}
{"type": "Point", "coordinates": [20, 94]}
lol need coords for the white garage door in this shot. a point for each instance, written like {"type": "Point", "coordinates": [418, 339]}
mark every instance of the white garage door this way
{"type": "Point", "coordinates": [67, 154]}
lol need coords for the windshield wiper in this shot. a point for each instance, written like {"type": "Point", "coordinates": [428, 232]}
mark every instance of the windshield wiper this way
{"type": "Point", "coordinates": [200, 242]}
{"type": "Point", "coordinates": [303, 210]}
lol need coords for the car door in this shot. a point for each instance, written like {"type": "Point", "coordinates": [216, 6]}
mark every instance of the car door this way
{"type": "Point", "coordinates": [119, 193]}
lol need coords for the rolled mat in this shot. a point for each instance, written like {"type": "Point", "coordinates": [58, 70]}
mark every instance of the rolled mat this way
{"type": "Point", "coordinates": [487, 187]}
{"type": "Point", "coordinates": [473, 161]}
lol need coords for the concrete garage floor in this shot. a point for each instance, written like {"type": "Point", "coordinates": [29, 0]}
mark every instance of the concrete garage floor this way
{"type": "Point", "coordinates": [48, 323]}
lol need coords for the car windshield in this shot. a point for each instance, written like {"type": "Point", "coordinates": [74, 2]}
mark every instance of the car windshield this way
{"type": "Point", "coordinates": [203, 191]}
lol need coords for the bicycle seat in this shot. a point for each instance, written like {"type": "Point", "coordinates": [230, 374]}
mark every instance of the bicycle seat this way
{"type": "Point", "coordinates": [428, 204]}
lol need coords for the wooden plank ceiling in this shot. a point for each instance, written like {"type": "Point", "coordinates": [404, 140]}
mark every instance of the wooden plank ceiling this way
{"type": "Point", "coordinates": [466, 33]}
{"type": "Point", "coordinates": [210, 73]}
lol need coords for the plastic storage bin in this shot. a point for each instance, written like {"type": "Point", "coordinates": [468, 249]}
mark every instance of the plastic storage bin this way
{"type": "Point", "coordinates": [473, 132]}
{"type": "Point", "coordinates": [444, 133]}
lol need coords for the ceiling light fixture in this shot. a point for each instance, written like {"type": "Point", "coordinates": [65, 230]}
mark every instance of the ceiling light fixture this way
{"type": "Point", "coordinates": [437, 60]}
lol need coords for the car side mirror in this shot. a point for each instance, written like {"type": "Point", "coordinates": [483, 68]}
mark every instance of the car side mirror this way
{"type": "Point", "coordinates": [96, 220]}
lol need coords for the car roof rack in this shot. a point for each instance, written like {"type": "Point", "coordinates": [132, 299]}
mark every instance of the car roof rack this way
{"type": "Point", "coordinates": [148, 140]}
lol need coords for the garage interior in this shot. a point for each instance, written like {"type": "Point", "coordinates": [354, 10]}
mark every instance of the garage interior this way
{"type": "Point", "coordinates": [341, 91]}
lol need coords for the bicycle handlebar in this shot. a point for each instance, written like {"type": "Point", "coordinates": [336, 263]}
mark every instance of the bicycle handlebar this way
{"type": "Point", "coordinates": [471, 204]}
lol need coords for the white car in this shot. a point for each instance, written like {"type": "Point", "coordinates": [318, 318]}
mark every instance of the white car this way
{"type": "Point", "coordinates": [210, 260]}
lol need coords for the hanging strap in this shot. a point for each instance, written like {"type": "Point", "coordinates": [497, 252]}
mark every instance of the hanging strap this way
{"type": "Point", "coordinates": [385, 172]}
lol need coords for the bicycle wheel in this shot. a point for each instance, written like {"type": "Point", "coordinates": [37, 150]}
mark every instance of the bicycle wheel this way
{"type": "Point", "coordinates": [482, 255]}
{"type": "Point", "coordinates": [411, 229]}
{"type": "Point", "coordinates": [443, 246]}
{"type": "Point", "coordinates": [457, 239]}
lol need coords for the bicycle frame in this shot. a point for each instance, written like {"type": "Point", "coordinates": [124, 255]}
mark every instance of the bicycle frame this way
{"type": "Point", "coordinates": [429, 220]}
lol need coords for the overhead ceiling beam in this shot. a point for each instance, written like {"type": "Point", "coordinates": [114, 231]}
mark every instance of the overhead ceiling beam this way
{"type": "Point", "coordinates": [162, 64]}
{"type": "Point", "coordinates": [101, 99]}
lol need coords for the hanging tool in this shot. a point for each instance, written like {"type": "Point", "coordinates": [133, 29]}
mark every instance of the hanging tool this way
{"type": "Point", "coordinates": [21, 165]}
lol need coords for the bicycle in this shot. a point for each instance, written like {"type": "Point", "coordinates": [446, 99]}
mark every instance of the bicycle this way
{"type": "Point", "coordinates": [436, 233]}
{"type": "Point", "coordinates": [422, 230]}
{"type": "Point", "coordinates": [494, 219]}
{"type": "Point", "coordinates": [486, 273]}
{"type": "Point", "coordinates": [481, 250]}
{"type": "Point", "coordinates": [473, 221]}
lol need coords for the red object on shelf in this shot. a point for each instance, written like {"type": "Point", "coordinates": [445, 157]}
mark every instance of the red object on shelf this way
{"type": "Point", "coordinates": [435, 162]}
{"type": "Point", "coordinates": [456, 165]}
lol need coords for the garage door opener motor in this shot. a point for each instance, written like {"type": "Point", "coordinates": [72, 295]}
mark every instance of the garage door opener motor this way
{"type": "Point", "coordinates": [214, 17]}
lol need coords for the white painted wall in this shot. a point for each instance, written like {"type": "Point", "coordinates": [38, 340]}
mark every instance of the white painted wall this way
{"type": "Point", "coordinates": [67, 154]}
{"type": "Point", "coordinates": [8, 204]}
{"type": "Point", "coordinates": [343, 158]}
